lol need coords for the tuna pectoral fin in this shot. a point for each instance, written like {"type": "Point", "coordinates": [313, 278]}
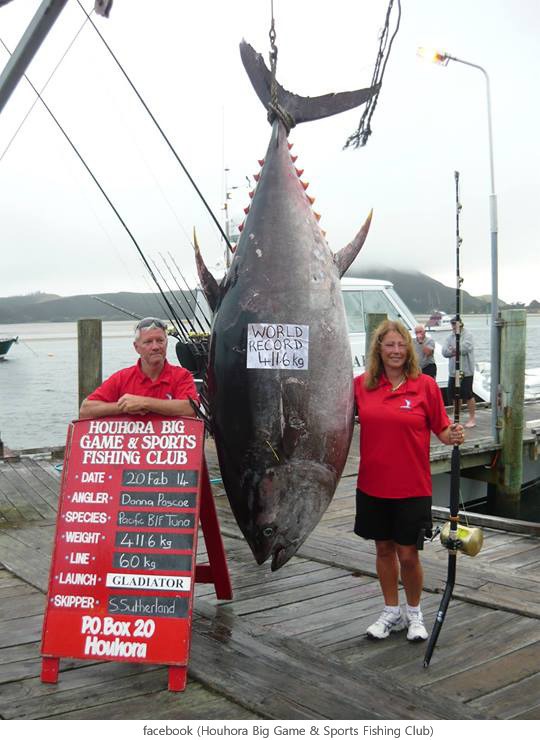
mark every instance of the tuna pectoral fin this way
{"type": "Point", "coordinates": [300, 108]}
{"type": "Point", "coordinates": [346, 256]}
{"type": "Point", "coordinates": [208, 281]}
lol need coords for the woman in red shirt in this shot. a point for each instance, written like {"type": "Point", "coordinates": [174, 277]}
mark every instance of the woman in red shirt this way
{"type": "Point", "coordinates": [398, 409]}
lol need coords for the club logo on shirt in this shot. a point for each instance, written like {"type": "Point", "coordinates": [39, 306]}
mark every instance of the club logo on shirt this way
{"type": "Point", "coordinates": [407, 404]}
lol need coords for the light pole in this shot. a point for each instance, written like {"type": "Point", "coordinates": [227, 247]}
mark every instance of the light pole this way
{"type": "Point", "coordinates": [443, 58]}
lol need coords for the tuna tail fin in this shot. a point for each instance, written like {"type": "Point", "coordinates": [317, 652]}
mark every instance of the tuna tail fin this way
{"type": "Point", "coordinates": [209, 283]}
{"type": "Point", "coordinates": [346, 256]}
{"type": "Point", "coordinates": [300, 108]}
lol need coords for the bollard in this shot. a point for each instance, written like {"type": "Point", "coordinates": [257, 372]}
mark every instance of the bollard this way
{"type": "Point", "coordinates": [512, 379]}
{"type": "Point", "coordinates": [90, 356]}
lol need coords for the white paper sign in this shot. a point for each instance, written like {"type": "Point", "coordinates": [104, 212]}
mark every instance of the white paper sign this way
{"type": "Point", "coordinates": [277, 346]}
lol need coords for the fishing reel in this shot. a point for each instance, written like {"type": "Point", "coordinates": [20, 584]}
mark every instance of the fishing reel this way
{"type": "Point", "coordinates": [193, 354]}
{"type": "Point", "coordinates": [426, 534]}
{"type": "Point", "coordinates": [468, 540]}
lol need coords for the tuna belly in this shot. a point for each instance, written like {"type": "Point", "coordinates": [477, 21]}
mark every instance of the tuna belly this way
{"type": "Point", "coordinates": [282, 440]}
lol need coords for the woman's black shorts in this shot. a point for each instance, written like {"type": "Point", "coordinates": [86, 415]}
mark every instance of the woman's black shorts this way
{"type": "Point", "coordinates": [399, 519]}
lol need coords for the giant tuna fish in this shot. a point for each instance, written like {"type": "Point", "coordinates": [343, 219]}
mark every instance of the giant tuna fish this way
{"type": "Point", "coordinates": [280, 370]}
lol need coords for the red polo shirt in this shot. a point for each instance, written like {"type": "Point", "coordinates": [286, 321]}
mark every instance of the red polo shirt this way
{"type": "Point", "coordinates": [172, 383]}
{"type": "Point", "coordinates": [395, 429]}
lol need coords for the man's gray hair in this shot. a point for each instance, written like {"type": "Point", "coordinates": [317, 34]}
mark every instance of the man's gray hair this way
{"type": "Point", "coordinates": [149, 323]}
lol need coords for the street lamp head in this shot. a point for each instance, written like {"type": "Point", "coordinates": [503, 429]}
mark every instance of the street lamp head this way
{"type": "Point", "coordinates": [432, 55]}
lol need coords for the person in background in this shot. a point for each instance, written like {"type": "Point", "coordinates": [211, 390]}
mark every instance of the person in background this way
{"type": "Point", "coordinates": [425, 349]}
{"type": "Point", "coordinates": [466, 351]}
{"type": "Point", "coordinates": [398, 408]}
{"type": "Point", "coordinates": [150, 386]}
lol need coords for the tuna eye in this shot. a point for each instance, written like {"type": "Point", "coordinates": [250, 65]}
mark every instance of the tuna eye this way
{"type": "Point", "coordinates": [268, 531]}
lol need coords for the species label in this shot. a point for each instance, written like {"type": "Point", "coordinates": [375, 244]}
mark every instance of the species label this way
{"type": "Point", "coordinates": [123, 569]}
{"type": "Point", "coordinates": [278, 346]}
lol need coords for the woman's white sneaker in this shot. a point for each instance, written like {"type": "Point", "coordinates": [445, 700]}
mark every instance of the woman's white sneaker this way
{"type": "Point", "coordinates": [388, 622]}
{"type": "Point", "coordinates": [416, 630]}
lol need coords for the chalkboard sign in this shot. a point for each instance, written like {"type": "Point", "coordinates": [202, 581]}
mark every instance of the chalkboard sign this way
{"type": "Point", "coordinates": [123, 568]}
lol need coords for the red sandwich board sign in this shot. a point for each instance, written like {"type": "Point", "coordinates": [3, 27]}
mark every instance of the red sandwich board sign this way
{"type": "Point", "coordinates": [123, 567]}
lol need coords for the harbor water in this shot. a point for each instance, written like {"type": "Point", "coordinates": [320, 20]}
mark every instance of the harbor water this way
{"type": "Point", "coordinates": [39, 382]}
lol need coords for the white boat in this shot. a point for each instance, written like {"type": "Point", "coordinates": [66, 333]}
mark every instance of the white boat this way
{"type": "Point", "coordinates": [482, 377]}
{"type": "Point", "coordinates": [439, 321]}
{"type": "Point", "coordinates": [362, 296]}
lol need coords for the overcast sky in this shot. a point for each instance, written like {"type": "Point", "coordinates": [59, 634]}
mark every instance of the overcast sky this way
{"type": "Point", "coordinates": [58, 235]}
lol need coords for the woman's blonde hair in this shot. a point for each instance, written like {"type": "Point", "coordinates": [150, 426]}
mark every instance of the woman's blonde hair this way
{"type": "Point", "coordinates": [374, 365]}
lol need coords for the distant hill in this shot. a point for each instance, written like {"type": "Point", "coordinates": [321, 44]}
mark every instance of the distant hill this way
{"type": "Point", "coordinates": [421, 293]}
{"type": "Point", "coordinates": [24, 309]}
{"type": "Point", "coordinates": [10, 307]}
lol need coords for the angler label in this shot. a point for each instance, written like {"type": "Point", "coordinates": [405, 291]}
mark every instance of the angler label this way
{"type": "Point", "coordinates": [123, 570]}
{"type": "Point", "coordinates": [278, 346]}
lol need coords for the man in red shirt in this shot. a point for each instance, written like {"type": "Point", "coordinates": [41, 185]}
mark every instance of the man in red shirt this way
{"type": "Point", "coordinates": [152, 386]}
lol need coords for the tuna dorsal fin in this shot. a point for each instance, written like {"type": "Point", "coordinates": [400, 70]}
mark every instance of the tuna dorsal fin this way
{"type": "Point", "coordinates": [345, 257]}
{"type": "Point", "coordinates": [300, 108]}
{"type": "Point", "coordinates": [208, 281]}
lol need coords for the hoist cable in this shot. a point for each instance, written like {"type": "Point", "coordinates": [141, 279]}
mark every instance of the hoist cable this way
{"type": "Point", "coordinates": [360, 137]}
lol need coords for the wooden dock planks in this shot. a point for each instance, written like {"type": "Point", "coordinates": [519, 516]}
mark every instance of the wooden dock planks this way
{"type": "Point", "coordinates": [295, 638]}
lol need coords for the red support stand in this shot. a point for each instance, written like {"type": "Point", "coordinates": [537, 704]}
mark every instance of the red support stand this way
{"type": "Point", "coordinates": [216, 571]}
{"type": "Point", "coordinates": [177, 678]}
{"type": "Point", "coordinates": [49, 669]}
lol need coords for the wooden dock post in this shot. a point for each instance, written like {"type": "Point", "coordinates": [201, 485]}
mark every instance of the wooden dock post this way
{"type": "Point", "coordinates": [372, 322]}
{"type": "Point", "coordinates": [90, 352]}
{"type": "Point", "coordinates": [513, 344]}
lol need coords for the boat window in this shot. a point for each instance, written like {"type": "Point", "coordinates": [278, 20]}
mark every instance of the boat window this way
{"type": "Point", "coordinates": [354, 311]}
{"type": "Point", "coordinates": [404, 315]}
{"type": "Point", "coordinates": [375, 301]}
{"type": "Point", "coordinates": [358, 303]}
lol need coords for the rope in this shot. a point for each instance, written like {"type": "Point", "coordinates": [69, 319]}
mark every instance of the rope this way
{"type": "Point", "coordinates": [364, 131]}
{"type": "Point", "coordinates": [275, 110]}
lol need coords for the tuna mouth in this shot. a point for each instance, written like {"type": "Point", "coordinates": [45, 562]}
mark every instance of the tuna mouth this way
{"type": "Point", "coordinates": [281, 555]}
{"type": "Point", "coordinates": [273, 547]}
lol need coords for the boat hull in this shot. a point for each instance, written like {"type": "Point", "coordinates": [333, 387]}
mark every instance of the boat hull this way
{"type": "Point", "coordinates": [5, 345]}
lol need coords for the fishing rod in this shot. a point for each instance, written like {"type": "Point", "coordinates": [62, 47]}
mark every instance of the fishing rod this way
{"type": "Point", "coordinates": [455, 463]}
{"type": "Point", "coordinates": [192, 353]}
{"type": "Point", "coordinates": [163, 306]}
{"type": "Point", "coordinates": [161, 131]}
{"type": "Point", "coordinates": [194, 298]}
{"type": "Point", "coordinates": [118, 308]}
{"type": "Point", "coordinates": [184, 332]}
{"type": "Point", "coordinates": [190, 311]}
{"type": "Point", "coordinates": [172, 317]}
{"type": "Point", "coordinates": [454, 537]}
{"type": "Point", "coordinates": [192, 350]}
